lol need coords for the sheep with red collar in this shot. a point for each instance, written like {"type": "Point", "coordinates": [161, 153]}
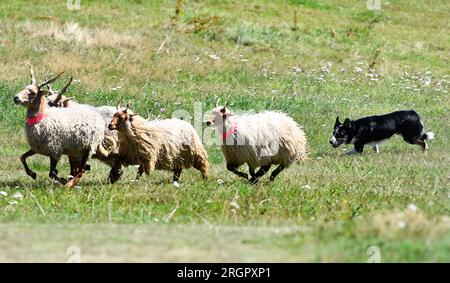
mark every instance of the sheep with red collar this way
{"type": "Point", "coordinates": [260, 140]}
{"type": "Point", "coordinates": [77, 132]}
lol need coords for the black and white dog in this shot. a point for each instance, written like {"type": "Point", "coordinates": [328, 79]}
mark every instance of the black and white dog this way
{"type": "Point", "coordinates": [373, 130]}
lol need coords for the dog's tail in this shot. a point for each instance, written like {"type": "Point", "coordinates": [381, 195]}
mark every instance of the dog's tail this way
{"type": "Point", "coordinates": [427, 136]}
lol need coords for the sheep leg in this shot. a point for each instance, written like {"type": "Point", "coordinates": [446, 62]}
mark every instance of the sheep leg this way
{"type": "Point", "coordinates": [276, 172]}
{"type": "Point", "coordinates": [116, 171]}
{"type": "Point", "coordinates": [23, 158]}
{"type": "Point", "coordinates": [140, 172]}
{"type": "Point", "coordinates": [81, 170]}
{"type": "Point", "coordinates": [54, 173]}
{"type": "Point", "coordinates": [73, 165]}
{"type": "Point", "coordinates": [263, 170]}
{"type": "Point", "coordinates": [233, 168]}
{"type": "Point", "coordinates": [202, 166]}
{"type": "Point", "coordinates": [176, 174]}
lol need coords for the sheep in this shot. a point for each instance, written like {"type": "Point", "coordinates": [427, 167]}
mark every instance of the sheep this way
{"type": "Point", "coordinates": [260, 140]}
{"type": "Point", "coordinates": [53, 132]}
{"type": "Point", "coordinates": [57, 99]}
{"type": "Point", "coordinates": [170, 144]}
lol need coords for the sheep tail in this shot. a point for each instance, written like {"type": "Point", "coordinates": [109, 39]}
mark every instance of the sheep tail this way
{"type": "Point", "coordinates": [107, 146]}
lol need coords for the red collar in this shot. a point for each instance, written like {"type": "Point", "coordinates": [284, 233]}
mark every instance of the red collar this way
{"type": "Point", "coordinates": [231, 131]}
{"type": "Point", "coordinates": [35, 120]}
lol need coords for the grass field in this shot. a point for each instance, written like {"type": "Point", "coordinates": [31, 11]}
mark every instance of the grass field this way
{"type": "Point", "coordinates": [313, 59]}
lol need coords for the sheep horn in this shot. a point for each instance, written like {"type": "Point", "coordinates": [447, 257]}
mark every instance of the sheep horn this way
{"type": "Point", "coordinates": [64, 89]}
{"type": "Point", "coordinates": [50, 89]}
{"type": "Point", "coordinates": [33, 79]}
{"type": "Point", "coordinates": [217, 101]}
{"type": "Point", "coordinates": [50, 81]}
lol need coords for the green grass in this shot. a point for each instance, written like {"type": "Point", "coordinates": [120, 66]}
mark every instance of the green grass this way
{"type": "Point", "coordinates": [328, 208]}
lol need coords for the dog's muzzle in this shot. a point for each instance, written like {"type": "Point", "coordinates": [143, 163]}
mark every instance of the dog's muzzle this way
{"type": "Point", "coordinates": [334, 142]}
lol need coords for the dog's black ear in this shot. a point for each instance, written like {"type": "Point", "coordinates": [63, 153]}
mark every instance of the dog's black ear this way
{"type": "Point", "coordinates": [337, 123]}
{"type": "Point", "coordinates": [347, 123]}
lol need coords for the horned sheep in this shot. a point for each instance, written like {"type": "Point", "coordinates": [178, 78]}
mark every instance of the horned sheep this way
{"type": "Point", "coordinates": [53, 132]}
{"type": "Point", "coordinates": [58, 99]}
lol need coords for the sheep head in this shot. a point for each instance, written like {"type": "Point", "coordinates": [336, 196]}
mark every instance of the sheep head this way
{"type": "Point", "coordinates": [121, 118]}
{"type": "Point", "coordinates": [31, 95]}
{"type": "Point", "coordinates": [218, 115]}
{"type": "Point", "coordinates": [56, 98]}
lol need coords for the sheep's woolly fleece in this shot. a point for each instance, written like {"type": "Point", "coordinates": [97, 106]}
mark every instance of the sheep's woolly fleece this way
{"type": "Point", "coordinates": [261, 139]}
{"type": "Point", "coordinates": [161, 144]}
{"type": "Point", "coordinates": [69, 131]}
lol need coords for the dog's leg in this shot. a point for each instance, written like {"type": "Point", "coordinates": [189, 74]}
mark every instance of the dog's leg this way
{"type": "Point", "coordinates": [376, 149]}
{"type": "Point", "coordinates": [422, 144]}
{"type": "Point", "coordinates": [351, 152]}
{"type": "Point", "coordinates": [358, 149]}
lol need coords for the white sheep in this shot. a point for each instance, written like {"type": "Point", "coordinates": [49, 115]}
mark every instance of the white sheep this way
{"type": "Point", "coordinates": [260, 140]}
{"type": "Point", "coordinates": [58, 99]}
{"type": "Point", "coordinates": [76, 132]}
{"type": "Point", "coordinates": [170, 144]}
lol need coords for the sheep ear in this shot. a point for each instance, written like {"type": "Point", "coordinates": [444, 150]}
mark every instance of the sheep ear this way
{"type": "Point", "coordinates": [337, 123]}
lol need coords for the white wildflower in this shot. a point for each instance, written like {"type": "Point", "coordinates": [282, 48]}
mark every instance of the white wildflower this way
{"type": "Point", "coordinates": [213, 56]}
{"type": "Point", "coordinates": [358, 70]}
{"type": "Point", "coordinates": [18, 196]}
{"type": "Point", "coordinates": [412, 207]}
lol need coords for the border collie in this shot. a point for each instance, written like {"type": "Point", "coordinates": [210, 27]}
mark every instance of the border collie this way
{"type": "Point", "coordinates": [374, 130]}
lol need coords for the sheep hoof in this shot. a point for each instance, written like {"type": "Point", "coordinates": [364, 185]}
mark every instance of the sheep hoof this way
{"type": "Point", "coordinates": [176, 184]}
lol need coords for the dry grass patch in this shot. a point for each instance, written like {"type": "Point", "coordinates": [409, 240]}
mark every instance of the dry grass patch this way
{"type": "Point", "coordinates": [72, 32]}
